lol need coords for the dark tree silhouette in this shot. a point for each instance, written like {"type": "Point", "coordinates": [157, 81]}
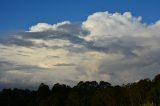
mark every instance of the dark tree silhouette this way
{"type": "Point", "coordinates": [145, 92]}
{"type": "Point", "coordinates": [103, 84]}
{"type": "Point", "coordinates": [43, 90]}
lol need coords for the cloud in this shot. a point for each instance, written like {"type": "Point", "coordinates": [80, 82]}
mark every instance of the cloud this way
{"type": "Point", "coordinates": [134, 45]}
{"type": "Point", "coordinates": [113, 47]}
{"type": "Point", "coordinates": [63, 64]}
{"type": "Point", "coordinates": [41, 27]}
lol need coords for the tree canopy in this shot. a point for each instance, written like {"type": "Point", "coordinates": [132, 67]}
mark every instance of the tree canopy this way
{"type": "Point", "coordinates": [145, 92]}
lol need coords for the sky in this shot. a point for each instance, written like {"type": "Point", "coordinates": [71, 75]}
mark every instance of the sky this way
{"type": "Point", "coordinates": [67, 41]}
{"type": "Point", "coordinates": [21, 14]}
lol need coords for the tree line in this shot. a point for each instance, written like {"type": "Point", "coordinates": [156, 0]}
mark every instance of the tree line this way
{"type": "Point", "coordinates": [145, 92]}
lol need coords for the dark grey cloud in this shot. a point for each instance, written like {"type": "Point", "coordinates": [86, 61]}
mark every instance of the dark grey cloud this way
{"type": "Point", "coordinates": [64, 64]}
{"type": "Point", "coordinates": [27, 67]}
{"type": "Point", "coordinates": [2, 63]}
{"type": "Point", "coordinates": [73, 33]}
{"type": "Point", "coordinates": [12, 40]}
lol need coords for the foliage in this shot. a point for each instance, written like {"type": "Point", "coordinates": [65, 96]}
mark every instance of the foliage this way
{"type": "Point", "coordinates": [145, 92]}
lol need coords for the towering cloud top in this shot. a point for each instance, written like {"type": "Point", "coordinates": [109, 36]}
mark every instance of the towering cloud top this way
{"type": "Point", "coordinates": [104, 24]}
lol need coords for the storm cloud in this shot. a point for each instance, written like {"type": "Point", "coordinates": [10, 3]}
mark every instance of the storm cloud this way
{"type": "Point", "coordinates": [113, 47]}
